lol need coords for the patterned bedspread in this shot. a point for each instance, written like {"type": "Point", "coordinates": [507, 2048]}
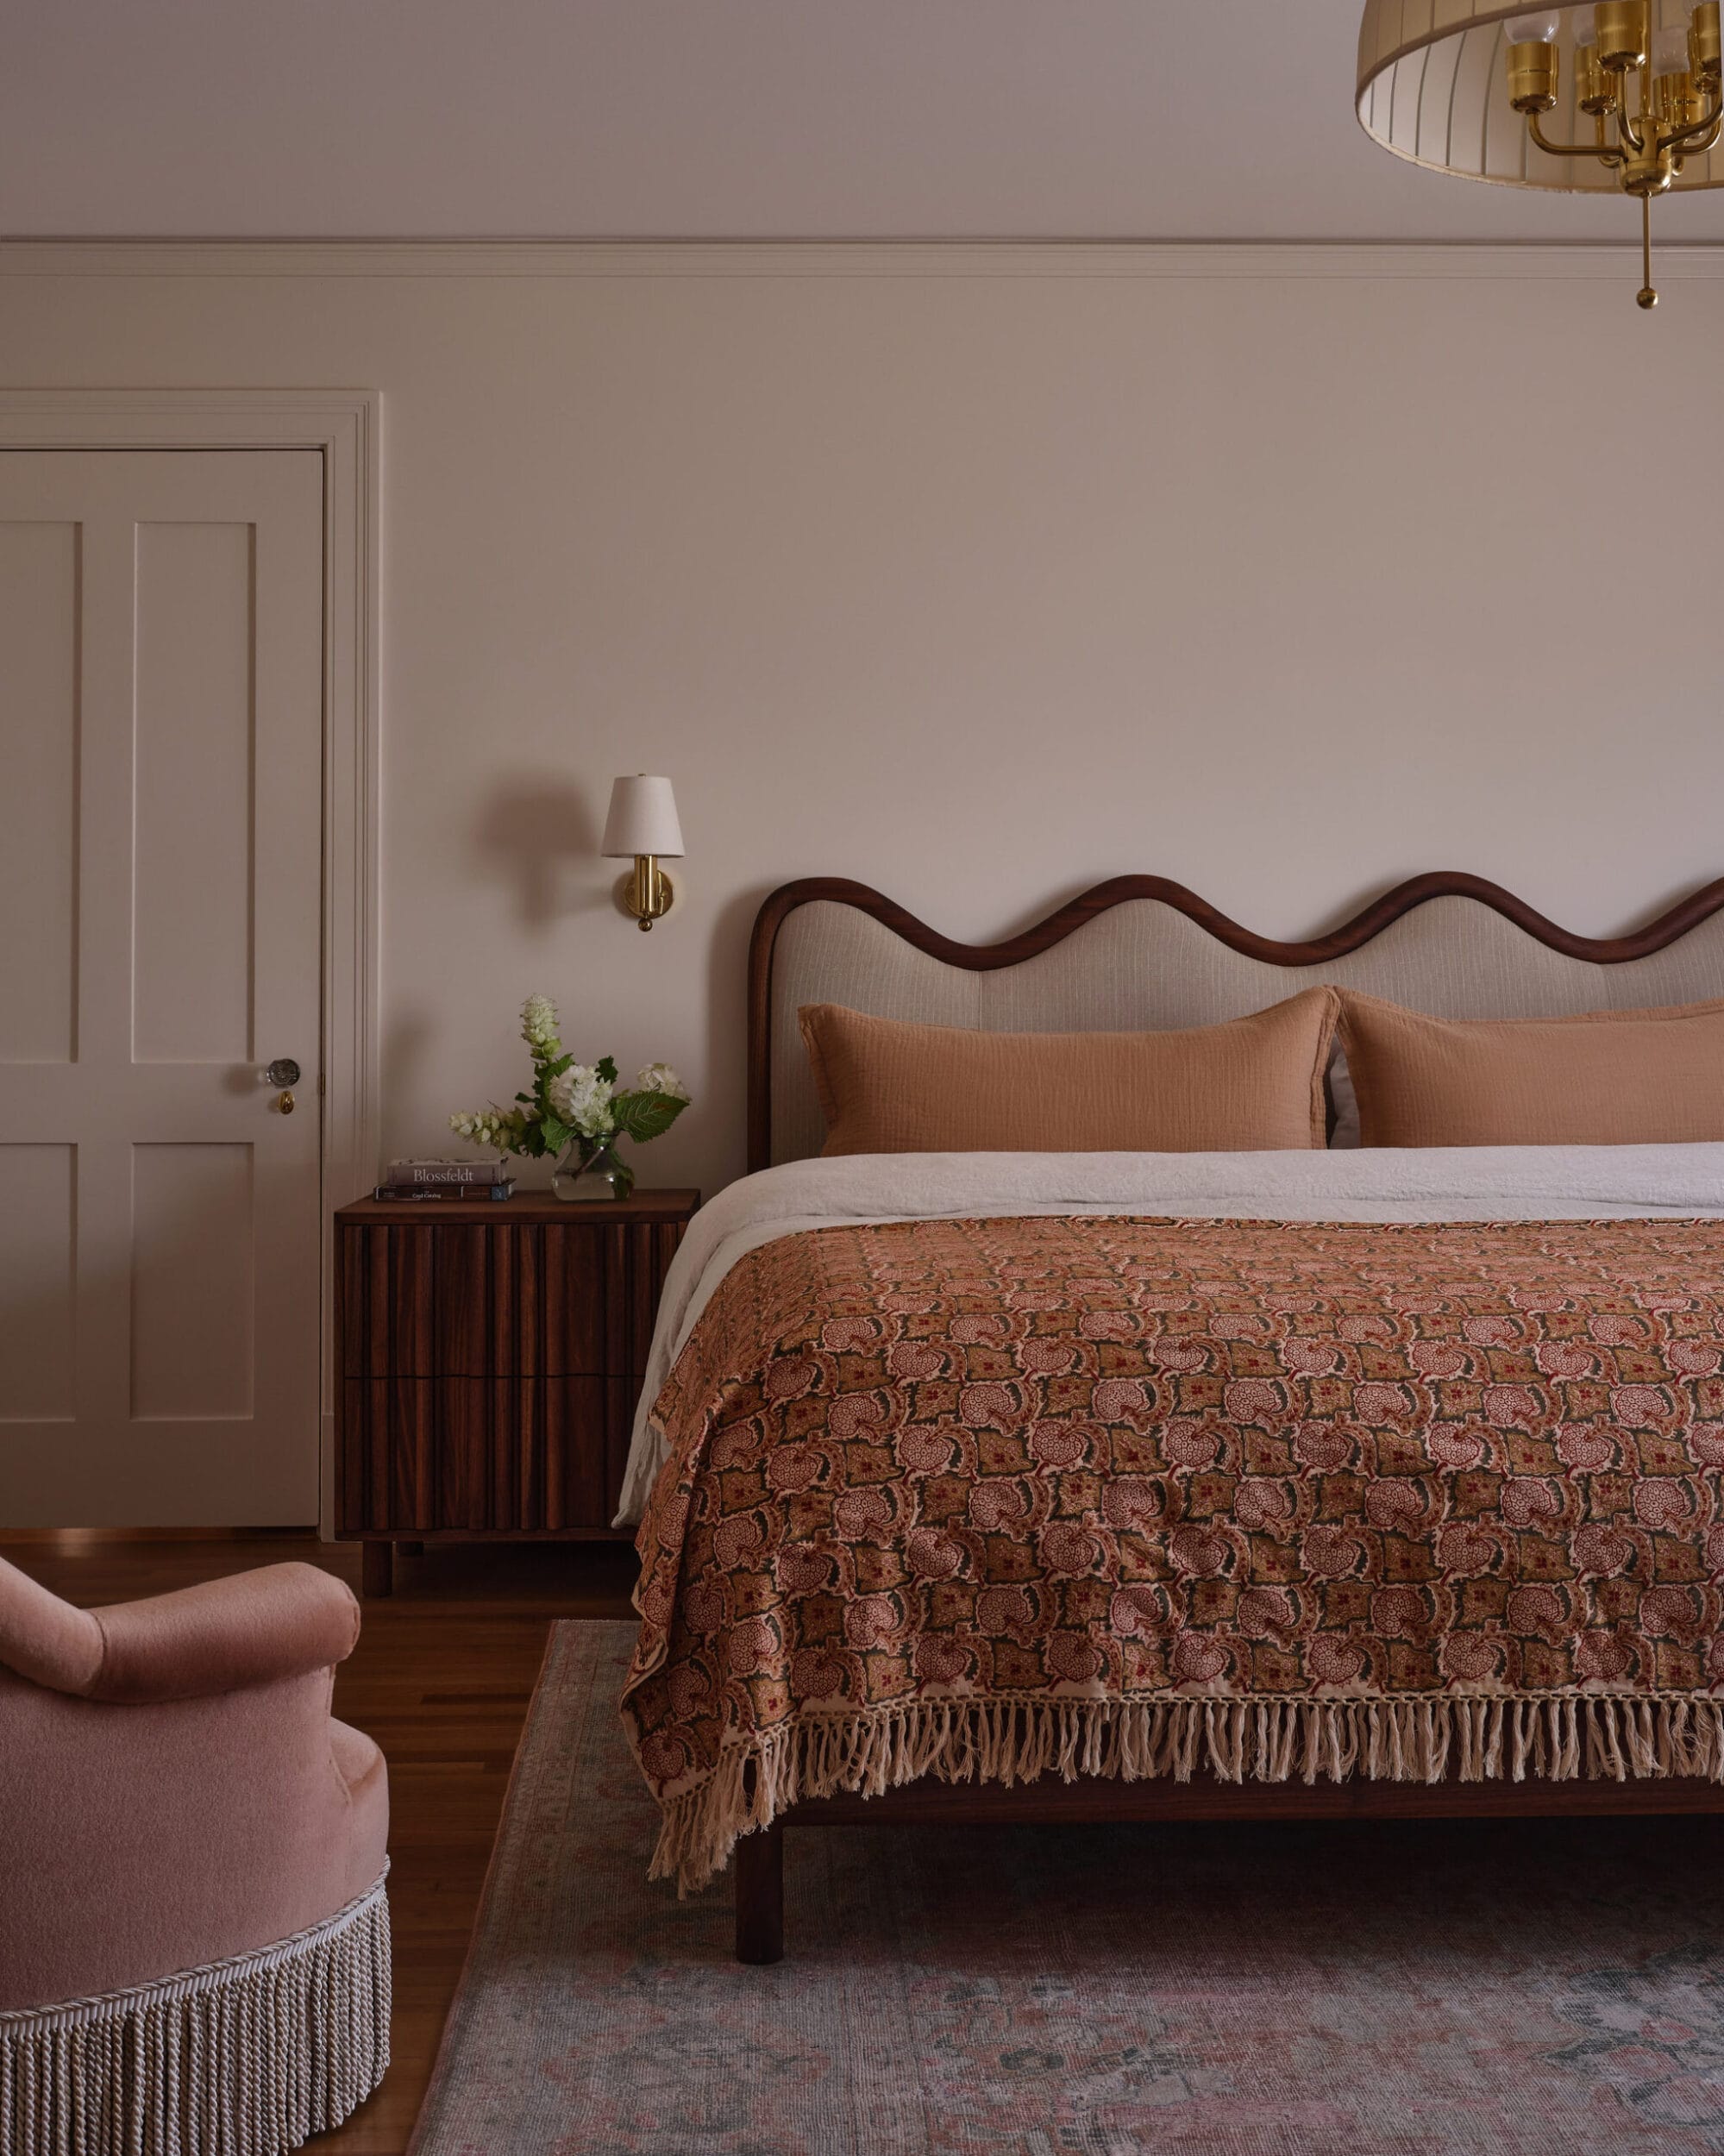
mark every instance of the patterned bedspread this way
{"type": "Point", "coordinates": [1123, 1496]}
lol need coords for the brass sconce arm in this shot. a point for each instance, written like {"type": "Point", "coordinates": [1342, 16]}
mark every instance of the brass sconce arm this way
{"type": "Point", "coordinates": [648, 893]}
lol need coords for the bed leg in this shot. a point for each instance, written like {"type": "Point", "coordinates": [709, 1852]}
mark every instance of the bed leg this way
{"type": "Point", "coordinates": [760, 1896]}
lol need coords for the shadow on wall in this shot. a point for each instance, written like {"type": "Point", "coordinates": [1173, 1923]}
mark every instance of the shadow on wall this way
{"type": "Point", "coordinates": [542, 840]}
{"type": "Point", "coordinates": [404, 1056]}
{"type": "Point", "coordinates": [727, 1000]}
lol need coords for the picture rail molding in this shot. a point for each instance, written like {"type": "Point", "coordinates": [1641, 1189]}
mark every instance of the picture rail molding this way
{"type": "Point", "coordinates": [1576, 262]}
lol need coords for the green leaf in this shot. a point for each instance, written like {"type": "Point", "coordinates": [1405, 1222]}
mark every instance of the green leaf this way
{"type": "Point", "coordinates": [556, 1135]}
{"type": "Point", "coordinates": [641, 1116]}
{"type": "Point", "coordinates": [606, 1068]}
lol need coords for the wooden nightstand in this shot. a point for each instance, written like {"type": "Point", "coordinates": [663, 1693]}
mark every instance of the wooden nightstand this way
{"type": "Point", "coordinates": [489, 1355]}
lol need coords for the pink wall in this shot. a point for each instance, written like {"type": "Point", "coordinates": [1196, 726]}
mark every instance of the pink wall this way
{"type": "Point", "coordinates": [979, 587]}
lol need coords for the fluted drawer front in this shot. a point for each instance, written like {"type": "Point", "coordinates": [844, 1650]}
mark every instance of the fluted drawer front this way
{"type": "Point", "coordinates": [602, 1290]}
{"type": "Point", "coordinates": [483, 1456]}
{"type": "Point", "coordinates": [433, 1300]}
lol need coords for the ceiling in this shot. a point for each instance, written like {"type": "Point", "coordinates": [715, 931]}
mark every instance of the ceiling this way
{"type": "Point", "coordinates": [723, 119]}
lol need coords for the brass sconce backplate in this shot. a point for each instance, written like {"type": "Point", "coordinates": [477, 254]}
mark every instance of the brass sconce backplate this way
{"type": "Point", "coordinates": [646, 894]}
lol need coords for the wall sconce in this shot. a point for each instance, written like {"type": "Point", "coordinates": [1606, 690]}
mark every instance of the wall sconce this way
{"type": "Point", "coordinates": [642, 823]}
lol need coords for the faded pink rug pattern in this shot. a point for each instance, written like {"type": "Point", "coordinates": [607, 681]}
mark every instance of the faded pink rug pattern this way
{"type": "Point", "coordinates": [1431, 1989]}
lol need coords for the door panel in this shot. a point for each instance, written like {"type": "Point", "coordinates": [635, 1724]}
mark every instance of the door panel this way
{"type": "Point", "coordinates": [191, 930]}
{"type": "Point", "coordinates": [39, 801]}
{"type": "Point", "coordinates": [193, 1280]}
{"type": "Point", "coordinates": [161, 669]}
{"type": "Point", "coordinates": [38, 1286]}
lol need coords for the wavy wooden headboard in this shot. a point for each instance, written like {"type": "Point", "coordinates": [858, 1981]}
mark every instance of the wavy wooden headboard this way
{"type": "Point", "coordinates": [1139, 952]}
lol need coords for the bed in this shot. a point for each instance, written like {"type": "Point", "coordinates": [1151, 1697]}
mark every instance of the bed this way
{"type": "Point", "coordinates": [1108, 1486]}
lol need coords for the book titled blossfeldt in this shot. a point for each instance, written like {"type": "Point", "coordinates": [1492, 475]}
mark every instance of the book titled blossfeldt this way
{"type": "Point", "coordinates": [433, 1175]}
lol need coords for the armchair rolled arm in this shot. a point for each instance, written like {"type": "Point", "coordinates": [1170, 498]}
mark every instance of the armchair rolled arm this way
{"type": "Point", "coordinates": [223, 1635]}
{"type": "Point", "coordinates": [251, 1628]}
{"type": "Point", "coordinates": [48, 1641]}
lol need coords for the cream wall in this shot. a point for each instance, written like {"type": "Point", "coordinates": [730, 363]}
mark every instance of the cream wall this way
{"type": "Point", "coordinates": [979, 585]}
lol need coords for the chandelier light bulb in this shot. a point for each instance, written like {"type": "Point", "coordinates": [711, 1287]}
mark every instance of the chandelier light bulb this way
{"type": "Point", "coordinates": [1540, 28]}
{"type": "Point", "coordinates": [1585, 27]}
{"type": "Point", "coordinates": [1669, 51]}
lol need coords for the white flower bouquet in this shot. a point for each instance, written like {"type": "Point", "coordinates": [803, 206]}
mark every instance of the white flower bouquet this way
{"type": "Point", "coordinates": [576, 1108]}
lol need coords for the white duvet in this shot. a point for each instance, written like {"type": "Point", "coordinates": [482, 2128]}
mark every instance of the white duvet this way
{"type": "Point", "coordinates": [1553, 1182]}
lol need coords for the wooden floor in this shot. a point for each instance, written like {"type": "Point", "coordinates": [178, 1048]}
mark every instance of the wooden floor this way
{"type": "Point", "coordinates": [441, 1678]}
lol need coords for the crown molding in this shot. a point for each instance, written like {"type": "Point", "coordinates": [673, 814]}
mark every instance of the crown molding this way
{"type": "Point", "coordinates": [1584, 262]}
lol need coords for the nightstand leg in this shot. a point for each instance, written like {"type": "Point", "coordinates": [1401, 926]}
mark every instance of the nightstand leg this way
{"type": "Point", "coordinates": [759, 1862]}
{"type": "Point", "coordinates": [377, 1569]}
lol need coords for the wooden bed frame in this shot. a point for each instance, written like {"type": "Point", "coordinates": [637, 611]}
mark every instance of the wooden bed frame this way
{"type": "Point", "coordinates": [759, 1857]}
{"type": "Point", "coordinates": [1643, 942]}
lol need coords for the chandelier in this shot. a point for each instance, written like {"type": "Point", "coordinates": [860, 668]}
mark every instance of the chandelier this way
{"type": "Point", "coordinates": [1626, 94]}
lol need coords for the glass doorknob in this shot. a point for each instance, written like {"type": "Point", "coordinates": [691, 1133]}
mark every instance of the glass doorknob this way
{"type": "Point", "coordinates": [284, 1071]}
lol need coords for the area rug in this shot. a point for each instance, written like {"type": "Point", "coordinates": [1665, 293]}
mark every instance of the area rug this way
{"type": "Point", "coordinates": [1498, 1988]}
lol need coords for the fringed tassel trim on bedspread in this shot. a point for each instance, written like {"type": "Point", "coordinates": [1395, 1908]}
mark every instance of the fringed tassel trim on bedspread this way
{"type": "Point", "coordinates": [1590, 1736]}
{"type": "Point", "coordinates": [248, 2057]}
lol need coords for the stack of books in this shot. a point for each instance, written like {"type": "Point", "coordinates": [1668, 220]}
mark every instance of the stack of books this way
{"type": "Point", "coordinates": [414, 1181]}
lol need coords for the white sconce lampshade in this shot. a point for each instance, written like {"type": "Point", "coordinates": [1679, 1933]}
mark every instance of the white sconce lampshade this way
{"type": "Point", "coordinates": [643, 820]}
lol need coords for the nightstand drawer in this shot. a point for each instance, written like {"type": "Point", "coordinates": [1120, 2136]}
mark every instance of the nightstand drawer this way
{"type": "Point", "coordinates": [429, 1299]}
{"type": "Point", "coordinates": [483, 1455]}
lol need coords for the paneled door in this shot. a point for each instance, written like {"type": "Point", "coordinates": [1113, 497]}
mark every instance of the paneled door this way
{"type": "Point", "coordinates": [160, 787]}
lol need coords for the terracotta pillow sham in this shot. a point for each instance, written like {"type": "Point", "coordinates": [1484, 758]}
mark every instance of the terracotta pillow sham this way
{"type": "Point", "coordinates": [1253, 1085]}
{"type": "Point", "coordinates": [1607, 1078]}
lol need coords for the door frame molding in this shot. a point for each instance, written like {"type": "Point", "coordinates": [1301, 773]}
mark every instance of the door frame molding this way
{"type": "Point", "coordinates": [345, 427]}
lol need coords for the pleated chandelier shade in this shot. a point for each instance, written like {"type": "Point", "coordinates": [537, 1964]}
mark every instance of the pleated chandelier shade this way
{"type": "Point", "coordinates": [1430, 88]}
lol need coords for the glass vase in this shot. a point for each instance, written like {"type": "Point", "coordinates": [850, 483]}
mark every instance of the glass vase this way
{"type": "Point", "coordinates": [593, 1171]}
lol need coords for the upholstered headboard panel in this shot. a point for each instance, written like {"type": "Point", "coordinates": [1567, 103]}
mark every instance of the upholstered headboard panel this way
{"type": "Point", "coordinates": [1140, 953]}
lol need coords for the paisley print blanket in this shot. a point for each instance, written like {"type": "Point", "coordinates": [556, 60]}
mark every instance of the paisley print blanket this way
{"type": "Point", "coordinates": [1130, 1496]}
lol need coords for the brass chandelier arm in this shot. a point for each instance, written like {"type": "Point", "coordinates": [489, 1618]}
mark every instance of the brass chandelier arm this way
{"type": "Point", "coordinates": [1687, 142]}
{"type": "Point", "coordinates": [1608, 158]}
{"type": "Point", "coordinates": [1698, 139]}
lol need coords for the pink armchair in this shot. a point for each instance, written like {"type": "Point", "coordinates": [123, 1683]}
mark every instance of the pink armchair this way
{"type": "Point", "coordinates": [194, 1936]}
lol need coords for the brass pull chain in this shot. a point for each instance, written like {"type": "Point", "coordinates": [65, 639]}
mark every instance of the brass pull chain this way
{"type": "Point", "coordinates": [1648, 294]}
